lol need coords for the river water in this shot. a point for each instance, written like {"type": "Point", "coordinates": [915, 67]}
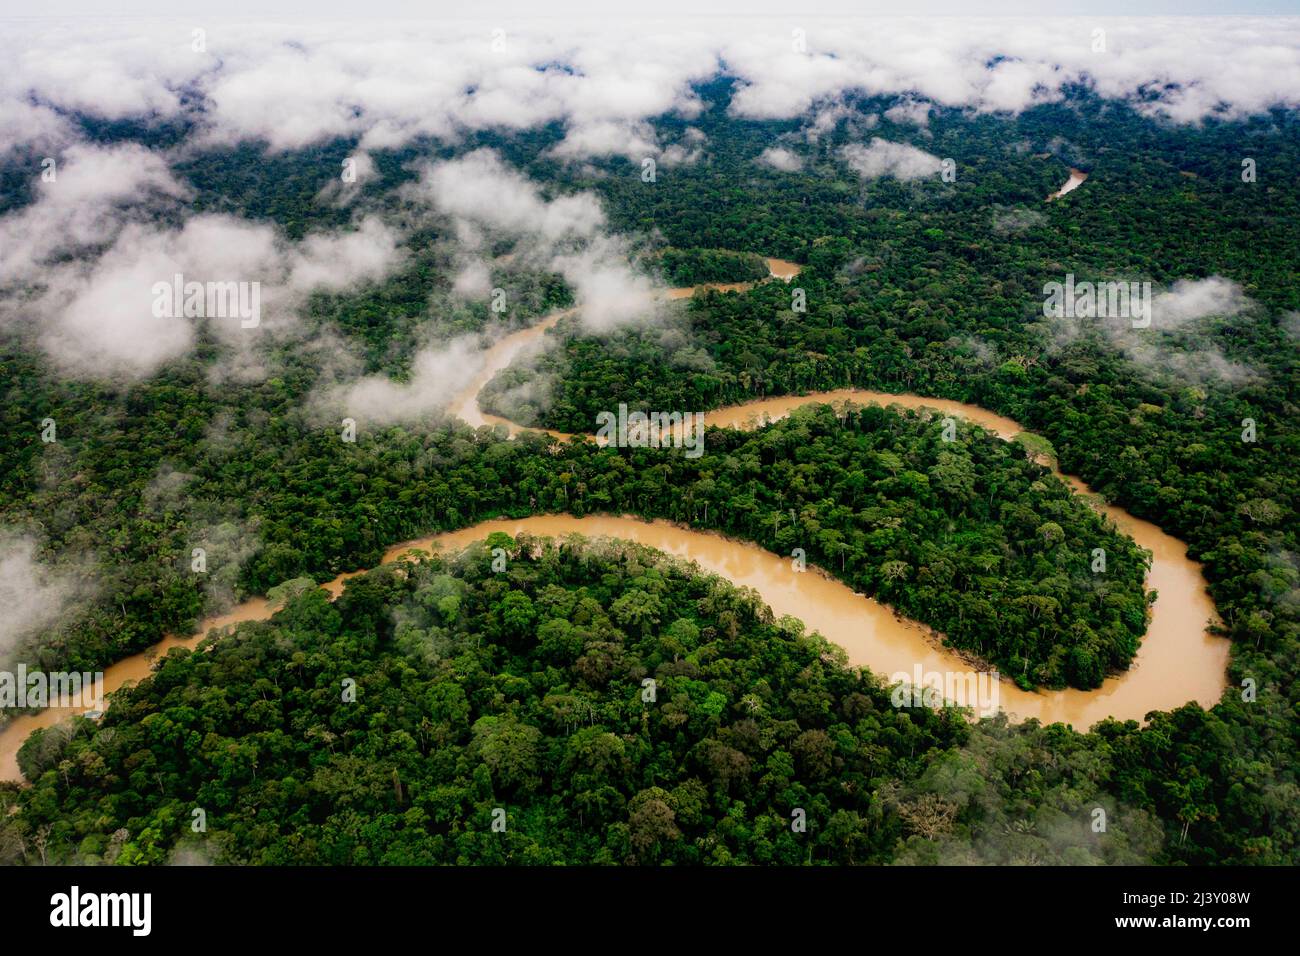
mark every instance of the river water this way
{"type": "Point", "coordinates": [1077, 176]}
{"type": "Point", "coordinates": [1178, 661]}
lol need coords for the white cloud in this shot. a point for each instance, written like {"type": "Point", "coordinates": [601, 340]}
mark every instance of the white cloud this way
{"type": "Point", "coordinates": [1190, 299]}
{"type": "Point", "coordinates": [473, 281]}
{"type": "Point", "coordinates": [564, 234]}
{"type": "Point", "coordinates": [32, 593]}
{"type": "Point", "coordinates": [106, 69]}
{"type": "Point", "coordinates": [1245, 64]}
{"type": "Point", "coordinates": [635, 141]}
{"type": "Point", "coordinates": [359, 168]}
{"type": "Point", "coordinates": [881, 157]}
{"type": "Point", "coordinates": [781, 159]}
{"type": "Point", "coordinates": [30, 125]}
{"type": "Point", "coordinates": [1173, 344]}
{"type": "Point", "coordinates": [101, 325]}
{"type": "Point", "coordinates": [829, 115]}
{"type": "Point", "coordinates": [607, 291]}
{"type": "Point", "coordinates": [96, 318]}
{"type": "Point", "coordinates": [910, 111]}
{"type": "Point", "coordinates": [480, 189]}
{"type": "Point", "coordinates": [487, 201]}
{"type": "Point", "coordinates": [437, 375]}
{"type": "Point", "coordinates": [297, 85]}
{"type": "Point", "coordinates": [336, 261]}
{"type": "Point", "coordinates": [94, 193]}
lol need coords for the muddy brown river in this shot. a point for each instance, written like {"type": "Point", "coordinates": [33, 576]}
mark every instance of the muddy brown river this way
{"type": "Point", "coordinates": [1077, 178]}
{"type": "Point", "coordinates": [1179, 660]}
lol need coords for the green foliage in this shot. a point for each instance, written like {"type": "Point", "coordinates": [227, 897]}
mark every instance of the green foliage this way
{"type": "Point", "coordinates": [926, 287]}
{"type": "Point", "coordinates": [687, 267]}
{"type": "Point", "coordinates": [252, 729]}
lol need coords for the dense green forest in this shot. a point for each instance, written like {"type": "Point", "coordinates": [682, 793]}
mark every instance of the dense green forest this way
{"type": "Point", "coordinates": [923, 286]}
{"type": "Point", "coordinates": [685, 267]}
{"type": "Point", "coordinates": [969, 536]}
{"type": "Point", "coordinates": [596, 701]}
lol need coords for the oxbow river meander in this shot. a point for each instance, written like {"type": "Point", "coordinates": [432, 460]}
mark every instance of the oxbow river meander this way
{"type": "Point", "coordinates": [1179, 659]}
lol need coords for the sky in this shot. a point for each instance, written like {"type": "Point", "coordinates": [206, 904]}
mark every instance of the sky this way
{"type": "Point", "coordinates": [659, 9]}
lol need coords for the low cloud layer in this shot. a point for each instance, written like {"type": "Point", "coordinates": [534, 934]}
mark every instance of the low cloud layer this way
{"type": "Point", "coordinates": [293, 86]}
{"type": "Point", "coordinates": [1176, 343]}
{"type": "Point", "coordinates": [880, 157]}
{"type": "Point", "coordinates": [480, 189]}
{"type": "Point", "coordinates": [1017, 221]}
{"type": "Point", "coordinates": [32, 593]}
{"type": "Point", "coordinates": [83, 198]}
{"type": "Point", "coordinates": [911, 112]}
{"type": "Point", "coordinates": [781, 159]}
{"type": "Point", "coordinates": [1188, 300]}
{"type": "Point", "coordinates": [489, 200]}
{"type": "Point", "coordinates": [98, 316]}
{"type": "Point", "coordinates": [437, 375]}
{"type": "Point", "coordinates": [78, 265]}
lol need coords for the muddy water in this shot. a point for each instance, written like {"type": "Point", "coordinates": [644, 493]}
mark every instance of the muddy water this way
{"type": "Point", "coordinates": [1179, 661]}
{"type": "Point", "coordinates": [1077, 176]}
{"type": "Point", "coordinates": [465, 405]}
{"type": "Point", "coordinates": [783, 268]}
{"type": "Point", "coordinates": [133, 668]}
{"type": "Point", "coordinates": [754, 414]}
{"type": "Point", "coordinates": [778, 268]}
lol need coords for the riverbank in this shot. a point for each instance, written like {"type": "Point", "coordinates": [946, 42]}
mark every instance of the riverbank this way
{"type": "Point", "coordinates": [1179, 660]}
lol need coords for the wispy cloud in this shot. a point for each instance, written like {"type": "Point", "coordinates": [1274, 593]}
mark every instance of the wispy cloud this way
{"type": "Point", "coordinates": [33, 594]}
{"type": "Point", "coordinates": [880, 157]}
{"type": "Point", "coordinates": [567, 234]}
{"type": "Point", "coordinates": [96, 315]}
{"type": "Point", "coordinates": [1177, 342]}
{"type": "Point", "coordinates": [781, 159]}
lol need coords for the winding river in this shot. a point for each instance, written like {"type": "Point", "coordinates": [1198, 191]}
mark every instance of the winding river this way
{"type": "Point", "coordinates": [1178, 661]}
